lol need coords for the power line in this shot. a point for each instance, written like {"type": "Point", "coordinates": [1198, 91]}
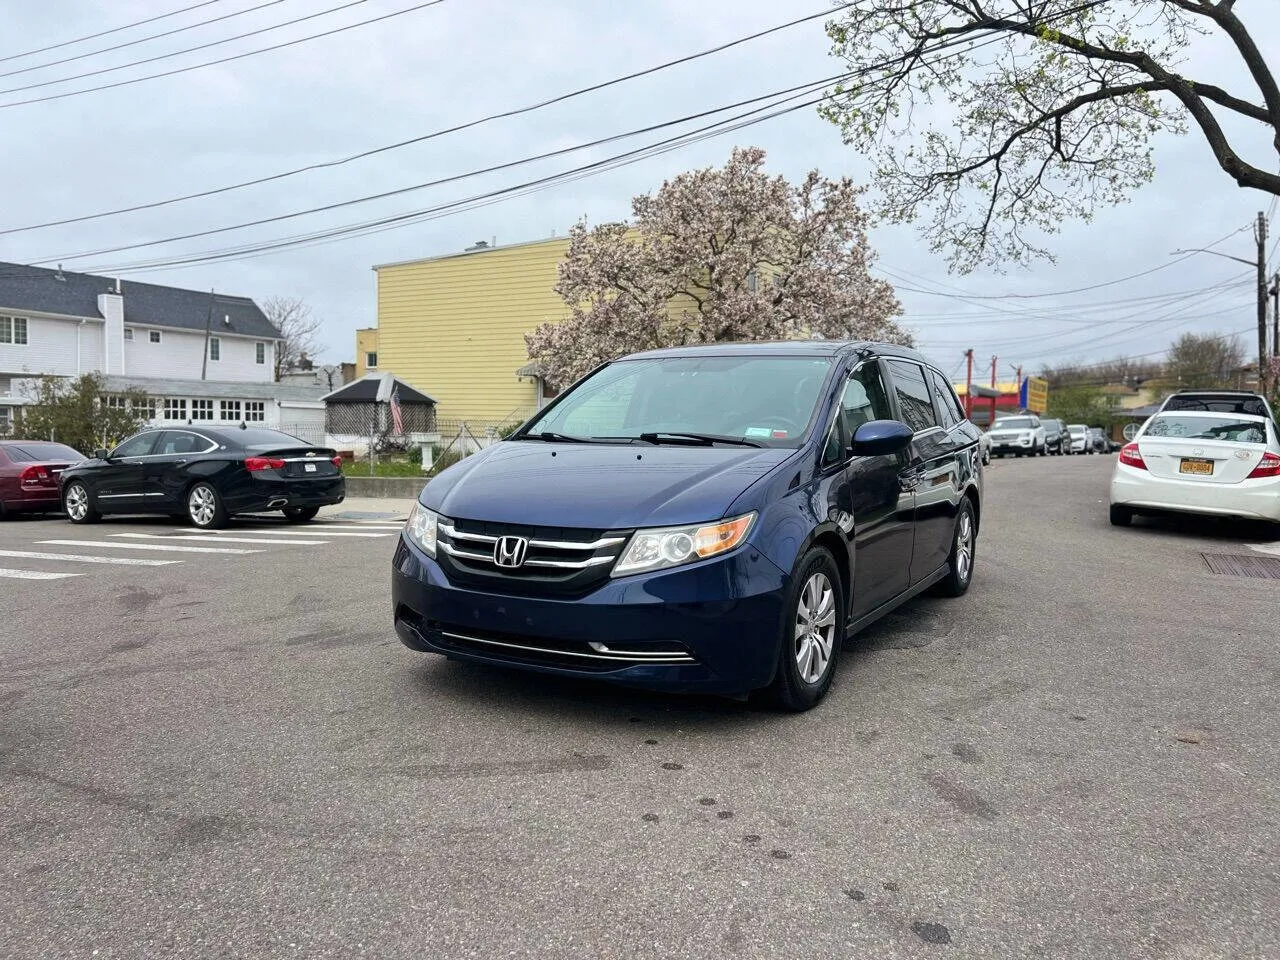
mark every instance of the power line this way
{"type": "Point", "coordinates": [517, 111]}
{"type": "Point", "coordinates": [238, 56]}
{"type": "Point", "coordinates": [104, 33]}
{"type": "Point", "coordinates": [134, 43]}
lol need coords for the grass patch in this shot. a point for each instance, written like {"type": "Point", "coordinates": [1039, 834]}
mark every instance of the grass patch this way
{"type": "Point", "coordinates": [397, 466]}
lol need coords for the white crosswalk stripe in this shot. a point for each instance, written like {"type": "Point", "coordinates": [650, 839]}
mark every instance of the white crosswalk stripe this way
{"type": "Point", "coordinates": [82, 558]}
{"type": "Point", "coordinates": [214, 538]}
{"type": "Point", "coordinates": [258, 531]}
{"type": "Point", "coordinates": [35, 574]}
{"type": "Point", "coordinates": [175, 548]}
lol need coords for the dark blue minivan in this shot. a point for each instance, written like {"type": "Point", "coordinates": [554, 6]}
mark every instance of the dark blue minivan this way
{"type": "Point", "coordinates": [715, 518]}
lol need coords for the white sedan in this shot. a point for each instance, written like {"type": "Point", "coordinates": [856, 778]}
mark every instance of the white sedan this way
{"type": "Point", "coordinates": [1221, 464]}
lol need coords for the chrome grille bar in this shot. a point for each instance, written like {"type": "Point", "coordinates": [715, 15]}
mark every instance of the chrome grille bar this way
{"type": "Point", "coordinates": [620, 657]}
{"type": "Point", "coordinates": [453, 533]}
{"type": "Point", "coordinates": [453, 551]}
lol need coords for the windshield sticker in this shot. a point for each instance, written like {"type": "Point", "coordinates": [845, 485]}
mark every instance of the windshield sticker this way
{"type": "Point", "coordinates": [758, 433]}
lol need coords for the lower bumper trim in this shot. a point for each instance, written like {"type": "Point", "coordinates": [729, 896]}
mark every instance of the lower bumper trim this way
{"type": "Point", "coordinates": [600, 653]}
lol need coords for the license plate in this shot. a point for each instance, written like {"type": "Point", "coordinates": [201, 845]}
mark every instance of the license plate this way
{"type": "Point", "coordinates": [1200, 468]}
{"type": "Point", "coordinates": [311, 467]}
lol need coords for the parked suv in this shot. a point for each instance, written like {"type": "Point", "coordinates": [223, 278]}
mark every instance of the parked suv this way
{"type": "Point", "coordinates": [715, 518]}
{"type": "Point", "coordinates": [1023, 435]}
{"type": "Point", "coordinates": [1098, 442]}
{"type": "Point", "coordinates": [1077, 438]}
{"type": "Point", "coordinates": [1055, 436]}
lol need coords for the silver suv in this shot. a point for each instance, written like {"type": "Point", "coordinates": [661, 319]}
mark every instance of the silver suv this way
{"type": "Point", "coordinates": [1022, 435]}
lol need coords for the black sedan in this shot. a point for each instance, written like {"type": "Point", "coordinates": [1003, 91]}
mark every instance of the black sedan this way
{"type": "Point", "coordinates": [206, 475]}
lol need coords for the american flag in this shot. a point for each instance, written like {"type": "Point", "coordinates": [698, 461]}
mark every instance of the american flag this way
{"type": "Point", "coordinates": [396, 417]}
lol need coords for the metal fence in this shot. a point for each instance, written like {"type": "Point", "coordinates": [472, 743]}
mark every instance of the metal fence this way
{"type": "Point", "coordinates": [310, 432]}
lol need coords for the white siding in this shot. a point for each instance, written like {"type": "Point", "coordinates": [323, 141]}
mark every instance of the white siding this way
{"type": "Point", "coordinates": [179, 354]}
{"type": "Point", "coordinates": [51, 348]}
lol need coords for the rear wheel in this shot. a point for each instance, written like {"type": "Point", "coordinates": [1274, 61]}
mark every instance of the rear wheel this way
{"type": "Point", "coordinates": [1121, 516]}
{"type": "Point", "coordinates": [812, 632]}
{"type": "Point", "coordinates": [964, 549]}
{"type": "Point", "coordinates": [300, 514]}
{"type": "Point", "coordinates": [75, 501]}
{"type": "Point", "coordinates": [204, 507]}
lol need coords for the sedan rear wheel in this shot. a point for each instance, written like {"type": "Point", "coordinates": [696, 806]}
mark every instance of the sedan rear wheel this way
{"type": "Point", "coordinates": [204, 507]}
{"type": "Point", "coordinates": [76, 502]}
{"type": "Point", "coordinates": [1121, 516]}
{"type": "Point", "coordinates": [300, 514]}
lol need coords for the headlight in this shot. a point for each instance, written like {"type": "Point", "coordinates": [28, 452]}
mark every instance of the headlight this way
{"type": "Point", "coordinates": [422, 528]}
{"type": "Point", "coordinates": [672, 546]}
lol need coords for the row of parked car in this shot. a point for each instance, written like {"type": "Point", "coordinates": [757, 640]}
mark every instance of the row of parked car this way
{"type": "Point", "coordinates": [1027, 435]}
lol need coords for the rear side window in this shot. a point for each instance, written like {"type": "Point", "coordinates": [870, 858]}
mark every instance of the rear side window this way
{"type": "Point", "coordinates": [945, 398]}
{"type": "Point", "coordinates": [914, 396]}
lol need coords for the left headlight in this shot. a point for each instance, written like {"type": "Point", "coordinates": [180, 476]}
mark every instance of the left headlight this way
{"type": "Point", "coordinates": [673, 546]}
{"type": "Point", "coordinates": [422, 528]}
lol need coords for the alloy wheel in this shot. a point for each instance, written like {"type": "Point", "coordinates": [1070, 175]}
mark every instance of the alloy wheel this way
{"type": "Point", "coordinates": [77, 502]}
{"type": "Point", "coordinates": [964, 547]}
{"type": "Point", "coordinates": [815, 631]}
{"type": "Point", "coordinates": [202, 505]}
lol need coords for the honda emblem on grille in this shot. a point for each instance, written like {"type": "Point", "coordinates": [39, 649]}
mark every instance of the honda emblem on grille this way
{"type": "Point", "coordinates": [510, 551]}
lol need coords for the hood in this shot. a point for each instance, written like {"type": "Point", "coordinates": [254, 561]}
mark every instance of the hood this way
{"type": "Point", "coordinates": [598, 486]}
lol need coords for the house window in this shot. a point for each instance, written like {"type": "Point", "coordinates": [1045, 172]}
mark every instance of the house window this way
{"type": "Point", "coordinates": [175, 409]}
{"type": "Point", "coordinates": [371, 360]}
{"type": "Point", "coordinates": [146, 409]}
{"type": "Point", "coordinates": [113, 401]}
{"type": "Point", "coordinates": [230, 410]}
{"type": "Point", "coordinates": [13, 330]}
{"type": "Point", "coordinates": [259, 353]}
{"type": "Point", "coordinates": [215, 348]}
{"type": "Point", "coordinates": [6, 419]}
{"type": "Point", "coordinates": [128, 333]}
{"type": "Point", "coordinates": [255, 411]}
{"type": "Point", "coordinates": [154, 336]}
{"type": "Point", "coordinates": [201, 409]}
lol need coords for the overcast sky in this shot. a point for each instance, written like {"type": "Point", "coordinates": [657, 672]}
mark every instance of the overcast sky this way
{"type": "Point", "coordinates": [459, 60]}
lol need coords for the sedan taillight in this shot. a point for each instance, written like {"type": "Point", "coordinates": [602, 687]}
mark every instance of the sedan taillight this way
{"type": "Point", "coordinates": [1268, 467]}
{"type": "Point", "coordinates": [1129, 455]}
{"type": "Point", "coordinates": [337, 462]}
{"type": "Point", "coordinates": [254, 464]}
{"type": "Point", "coordinates": [35, 477]}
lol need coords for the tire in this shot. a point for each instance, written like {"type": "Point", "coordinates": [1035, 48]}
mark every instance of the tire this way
{"type": "Point", "coordinates": [78, 504]}
{"type": "Point", "coordinates": [204, 507]}
{"type": "Point", "coordinates": [964, 552]}
{"type": "Point", "coordinates": [1121, 516]}
{"type": "Point", "coordinates": [815, 604]}
{"type": "Point", "coordinates": [300, 514]}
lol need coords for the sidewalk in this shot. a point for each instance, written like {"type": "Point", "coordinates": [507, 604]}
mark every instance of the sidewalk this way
{"type": "Point", "coordinates": [368, 508]}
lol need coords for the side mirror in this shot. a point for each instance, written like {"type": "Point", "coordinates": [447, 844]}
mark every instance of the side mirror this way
{"type": "Point", "coordinates": [879, 438]}
{"type": "Point", "coordinates": [100, 454]}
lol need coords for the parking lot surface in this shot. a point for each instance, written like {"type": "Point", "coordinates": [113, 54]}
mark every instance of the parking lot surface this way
{"type": "Point", "coordinates": [229, 753]}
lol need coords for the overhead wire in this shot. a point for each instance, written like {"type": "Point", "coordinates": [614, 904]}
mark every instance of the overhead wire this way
{"type": "Point", "coordinates": [106, 33]}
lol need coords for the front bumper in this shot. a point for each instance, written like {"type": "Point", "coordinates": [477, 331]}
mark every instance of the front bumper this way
{"type": "Point", "coordinates": [712, 627]}
{"type": "Point", "coordinates": [1012, 444]}
{"type": "Point", "coordinates": [1252, 499]}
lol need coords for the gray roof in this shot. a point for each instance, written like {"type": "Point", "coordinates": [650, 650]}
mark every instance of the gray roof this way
{"type": "Point", "coordinates": [376, 388]}
{"type": "Point", "coordinates": [76, 295]}
{"type": "Point", "coordinates": [215, 389]}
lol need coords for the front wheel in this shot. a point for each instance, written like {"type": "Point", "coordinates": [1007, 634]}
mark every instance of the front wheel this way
{"type": "Point", "coordinates": [75, 501]}
{"type": "Point", "coordinates": [812, 632]}
{"type": "Point", "coordinates": [300, 514]}
{"type": "Point", "coordinates": [964, 549]}
{"type": "Point", "coordinates": [204, 507]}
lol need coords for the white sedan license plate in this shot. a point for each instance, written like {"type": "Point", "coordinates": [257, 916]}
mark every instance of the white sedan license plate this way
{"type": "Point", "coordinates": [1199, 468]}
{"type": "Point", "coordinates": [309, 467]}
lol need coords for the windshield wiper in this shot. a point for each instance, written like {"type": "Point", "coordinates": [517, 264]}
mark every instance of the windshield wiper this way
{"type": "Point", "coordinates": [706, 439]}
{"type": "Point", "coordinates": [552, 437]}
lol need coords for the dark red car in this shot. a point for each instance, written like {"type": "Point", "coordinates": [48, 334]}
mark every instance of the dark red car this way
{"type": "Point", "coordinates": [29, 473]}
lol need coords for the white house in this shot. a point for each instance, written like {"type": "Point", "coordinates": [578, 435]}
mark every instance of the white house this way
{"type": "Point", "coordinates": [199, 356]}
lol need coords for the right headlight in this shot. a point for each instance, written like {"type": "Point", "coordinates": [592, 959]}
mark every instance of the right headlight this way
{"type": "Point", "coordinates": [423, 528]}
{"type": "Point", "coordinates": [665, 547]}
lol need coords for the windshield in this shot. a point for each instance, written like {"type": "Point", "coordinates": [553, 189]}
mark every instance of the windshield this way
{"type": "Point", "coordinates": [1015, 423]}
{"type": "Point", "coordinates": [1077, 431]}
{"type": "Point", "coordinates": [1234, 429]}
{"type": "Point", "coordinates": [760, 400]}
{"type": "Point", "coordinates": [36, 452]}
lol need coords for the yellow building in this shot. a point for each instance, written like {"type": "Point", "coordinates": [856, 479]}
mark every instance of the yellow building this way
{"type": "Point", "coordinates": [366, 351]}
{"type": "Point", "coordinates": [454, 327]}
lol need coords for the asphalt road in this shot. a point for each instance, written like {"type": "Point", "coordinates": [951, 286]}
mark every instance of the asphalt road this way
{"type": "Point", "coordinates": [234, 756]}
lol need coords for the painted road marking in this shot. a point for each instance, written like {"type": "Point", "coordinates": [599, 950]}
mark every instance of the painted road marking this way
{"type": "Point", "coordinates": [81, 558]}
{"type": "Point", "coordinates": [145, 546]}
{"type": "Point", "coordinates": [1271, 548]}
{"type": "Point", "coordinates": [35, 575]}
{"type": "Point", "coordinates": [213, 538]}
{"type": "Point", "coordinates": [258, 531]}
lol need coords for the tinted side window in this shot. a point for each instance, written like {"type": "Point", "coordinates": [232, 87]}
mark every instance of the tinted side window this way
{"type": "Point", "coordinates": [864, 399]}
{"type": "Point", "coordinates": [138, 446]}
{"type": "Point", "coordinates": [175, 442]}
{"type": "Point", "coordinates": [948, 406]}
{"type": "Point", "coordinates": [914, 396]}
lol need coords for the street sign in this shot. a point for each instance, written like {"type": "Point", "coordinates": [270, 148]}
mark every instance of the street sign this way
{"type": "Point", "coordinates": [1033, 395]}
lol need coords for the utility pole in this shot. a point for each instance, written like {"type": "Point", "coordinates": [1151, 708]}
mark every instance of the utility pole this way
{"type": "Point", "coordinates": [968, 381]}
{"type": "Point", "coordinates": [1275, 317]}
{"type": "Point", "coordinates": [1261, 235]}
{"type": "Point", "coordinates": [994, 362]}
